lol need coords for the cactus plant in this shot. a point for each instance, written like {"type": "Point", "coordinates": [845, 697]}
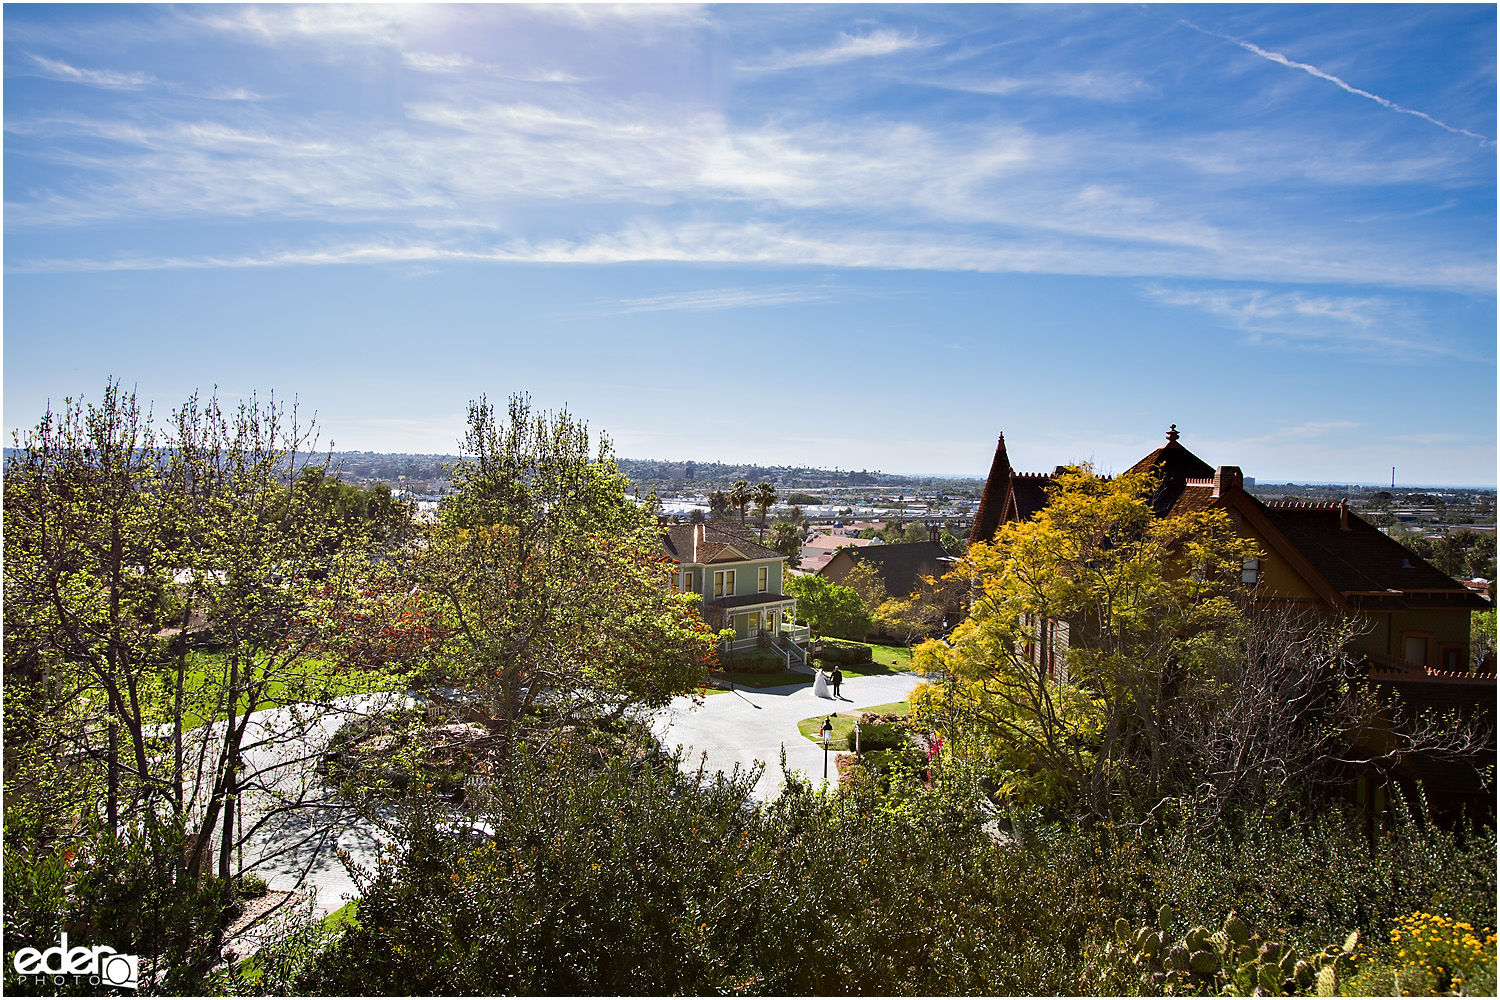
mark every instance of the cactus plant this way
{"type": "Point", "coordinates": [1232, 961]}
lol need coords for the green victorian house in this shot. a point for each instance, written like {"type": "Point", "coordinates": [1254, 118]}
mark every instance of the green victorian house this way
{"type": "Point", "coordinates": [740, 582]}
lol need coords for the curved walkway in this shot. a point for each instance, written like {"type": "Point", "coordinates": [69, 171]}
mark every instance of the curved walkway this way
{"type": "Point", "coordinates": [744, 726]}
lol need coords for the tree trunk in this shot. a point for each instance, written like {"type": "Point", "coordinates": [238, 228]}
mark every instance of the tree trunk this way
{"type": "Point", "coordinates": [114, 778]}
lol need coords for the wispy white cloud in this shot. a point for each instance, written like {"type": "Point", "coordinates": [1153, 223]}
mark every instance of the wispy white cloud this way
{"type": "Point", "coordinates": [1432, 439]}
{"type": "Point", "coordinates": [789, 244]}
{"type": "Point", "coordinates": [881, 42]}
{"type": "Point", "coordinates": [108, 79]}
{"type": "Point", "coordinates": [273, 24]}
{"type": "Point", "coordinates": [1277, 57]}
{"type": "Point", "coordinates": [473, 163]}
{"type": "Point", "coordinates": [232, 94]}
{"type": "Point", "coordinates": [716, 299]}
{"type": "Point", "coordinates": [431, 62]}
{"type": "Point", "coordinates": [1088, 86]}
{"type": "Point", "coordinates": [1308, 431]}
{"type": "Point", "coordinates": [1367, 324]}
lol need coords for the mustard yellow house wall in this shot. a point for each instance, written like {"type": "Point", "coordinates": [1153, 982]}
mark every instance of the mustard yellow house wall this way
{"type": "Point", "coordinates": [1277, 578]}
{"type": "Point", "coordinates": [1441, 626]}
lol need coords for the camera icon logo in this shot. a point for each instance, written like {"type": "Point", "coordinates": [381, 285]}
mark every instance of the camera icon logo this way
{"type": "Point", "coordinates": [119, 970]}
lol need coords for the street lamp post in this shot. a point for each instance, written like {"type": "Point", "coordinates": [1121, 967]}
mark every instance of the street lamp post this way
{"type": "Point", "coordinates": [827, 735]}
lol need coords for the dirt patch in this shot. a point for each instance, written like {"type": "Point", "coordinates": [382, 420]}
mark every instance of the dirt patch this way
{"type": "Point", "coordinates": [246, 940]}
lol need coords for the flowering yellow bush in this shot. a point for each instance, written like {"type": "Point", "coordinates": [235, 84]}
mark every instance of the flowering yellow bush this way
{"type": "Point", "coordinates": [1431, 954]}
{"type": "Point", "coordinates": [1451, 952]}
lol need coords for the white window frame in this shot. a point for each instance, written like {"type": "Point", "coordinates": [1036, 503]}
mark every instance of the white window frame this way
{"type": "Point", "coordinates": [763, 579]}
{"type": "Point", "coordinates": [723, 583]}
{"type": "Point", "coordinates": [1250, 572]}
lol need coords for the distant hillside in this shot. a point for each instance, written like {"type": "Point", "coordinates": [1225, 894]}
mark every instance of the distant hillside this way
{"type": "Point", "coordinates": [428, 473]}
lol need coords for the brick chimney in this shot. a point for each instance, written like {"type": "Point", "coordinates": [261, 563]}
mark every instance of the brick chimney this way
{"type": "Point", "coordinates": [932, 534]}
{"type": "Point", "coordinates": [1227, 479]}
{"type": "Point", "coordinates": [697, 540]}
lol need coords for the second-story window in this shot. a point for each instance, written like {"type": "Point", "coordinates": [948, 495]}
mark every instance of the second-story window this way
{"type": "Point", "coordinates": [1250, 572]}
{"type": "Point", "coordinates": [724, 583]}
{"type": "Point", "coordinates": [763, 579]}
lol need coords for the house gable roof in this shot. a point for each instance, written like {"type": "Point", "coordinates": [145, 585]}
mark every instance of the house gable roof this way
{"type": "Point", "coordinates": [718, 544]}
{"type": "Point", "coordinates": [1371, 569]}
{"type": "Point", "coordinates": [995, 501]}
{"type": "Point", "coordinates": [1346, 560]}
{"type": "Point", "coordinates": [900, 565]}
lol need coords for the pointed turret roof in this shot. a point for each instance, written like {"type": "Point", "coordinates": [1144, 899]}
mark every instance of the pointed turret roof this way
{"type": "Point", "coordinates": [997, 496]}
{"type": "Point", "coordinates": [1173, 465]}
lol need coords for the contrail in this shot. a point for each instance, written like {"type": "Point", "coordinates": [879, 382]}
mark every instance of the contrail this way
{"type": "Point", "coordinates": [1277, 57]}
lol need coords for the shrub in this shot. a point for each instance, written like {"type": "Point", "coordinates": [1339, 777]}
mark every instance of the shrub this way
{"type": "Point", "coordinates": [757, 661]}
{"type": "Point", "coordinates": [251, 886]}
{"type": "Point", "coordinates": [1430, 954]}
{"type": "Point", "coordinates": [846, 653]}
{"type": "Point", "coordinates": [881, 736]}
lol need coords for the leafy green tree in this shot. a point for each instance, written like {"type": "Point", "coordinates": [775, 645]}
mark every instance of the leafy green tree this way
{"type": "Point", "coordinates": [1467, 554]}
{"type": "Point", "coordinates": [1482, 643]}
{"type": "Point", "coordinates": [549, 582]}
{"type": "Point", "coordinates": [371, 511]}
{"type": "Point", "coordinates": [951, 543]}
{"type": "Point", "coordinates": [867, 583]}
{"type": "Point", "coordinates": [786, 538]}
{"type": "Point", "coordinates": [161, 589]}
{"type": "Point", "coordinates": [908, 617]}
{"type": "Point", "coordinates": [718, 504]}
{"type": "Point", "coordinates": [829, 608]}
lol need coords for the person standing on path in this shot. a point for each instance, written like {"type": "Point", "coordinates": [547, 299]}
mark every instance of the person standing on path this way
{"type": "Point", "coordinates": [838, 678]}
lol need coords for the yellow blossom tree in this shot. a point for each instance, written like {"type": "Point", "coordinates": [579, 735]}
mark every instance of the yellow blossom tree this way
{"type": "Point", "coordinates": [1088, 628]}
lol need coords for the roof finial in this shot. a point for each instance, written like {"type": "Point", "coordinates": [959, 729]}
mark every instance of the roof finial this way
{"type": "Point", "coordinates": [1172, 435]}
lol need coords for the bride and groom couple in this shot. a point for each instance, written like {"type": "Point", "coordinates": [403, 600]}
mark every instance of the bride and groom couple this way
{"type": "Point", "coordinates": [823, 681]}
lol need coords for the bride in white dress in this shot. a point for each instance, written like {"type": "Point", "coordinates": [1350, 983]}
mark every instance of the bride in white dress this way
{"type": "Point", "coordinates": [820, 685]}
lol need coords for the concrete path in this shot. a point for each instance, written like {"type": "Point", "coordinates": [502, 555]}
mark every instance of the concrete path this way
{"type": "Point", "coordinates": [745, 725]}
{"type": "Point", "coordinates": [293, 822]}
{"type": "Point", "coordinates": [297, 849]}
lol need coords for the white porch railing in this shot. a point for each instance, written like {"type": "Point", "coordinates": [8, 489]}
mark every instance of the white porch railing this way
{"type": "Point", "coordinates": [799, 635]}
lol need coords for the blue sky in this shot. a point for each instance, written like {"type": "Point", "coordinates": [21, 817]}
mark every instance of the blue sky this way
{"type": "Point", "coordinates": [863, 236]}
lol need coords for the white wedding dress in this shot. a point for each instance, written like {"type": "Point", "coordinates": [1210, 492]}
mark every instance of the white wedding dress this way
{"type": "Point", "coordinates": [820, 686]}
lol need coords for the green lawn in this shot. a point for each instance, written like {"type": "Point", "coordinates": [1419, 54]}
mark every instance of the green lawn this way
{"type": "Point", "coordinates": [843, 723]}
{"type": "Point", "coordinates": [886, 660]}
{"type": "Point", "coordinates": [310, 679]}
{"type": "Point", "coordinates": [344, 916]}
{"type": "Point", "coordinates": [758, 681]}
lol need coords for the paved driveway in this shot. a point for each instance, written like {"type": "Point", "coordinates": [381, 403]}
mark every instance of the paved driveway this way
{"type": "Point", "coordinates": [298, 848]}
{"type": "Point", "coordinates": [744, 726]}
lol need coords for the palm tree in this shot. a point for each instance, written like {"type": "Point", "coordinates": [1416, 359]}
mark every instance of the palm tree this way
{"type": "Point", "coordinates": [765, 496]}
{"type": "Point", "coordinates": [740, 497]}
